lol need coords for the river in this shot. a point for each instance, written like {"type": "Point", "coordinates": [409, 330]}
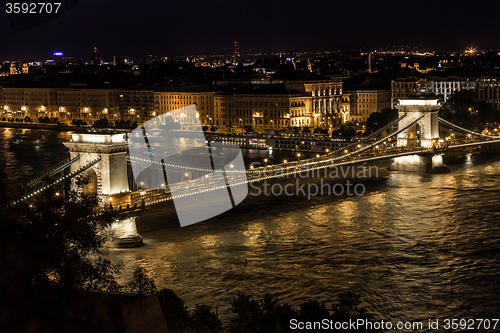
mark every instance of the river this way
{"type": "Point", "coordinates": [415, 246]}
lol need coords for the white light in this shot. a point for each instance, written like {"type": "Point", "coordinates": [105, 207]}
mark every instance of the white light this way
{"type": "Point", "coordinates": [419, 102]}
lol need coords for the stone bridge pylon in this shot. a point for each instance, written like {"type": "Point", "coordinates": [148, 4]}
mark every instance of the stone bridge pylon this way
{"type": "Point", "coordinates": [110, 148]}
{"type": "Point", "coordinates": [425, 131]}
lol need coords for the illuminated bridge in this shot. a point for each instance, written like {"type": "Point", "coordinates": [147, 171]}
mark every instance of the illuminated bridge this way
{"type": "Point", "coordinates": [412, 140]}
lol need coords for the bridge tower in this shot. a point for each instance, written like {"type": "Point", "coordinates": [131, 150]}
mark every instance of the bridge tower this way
{"type": "Point", "coordinates": [426, 130]}
{"type": "Point", "coordinates": [111, 149]}
{"type": "Point", "coordinates": [422, 133]}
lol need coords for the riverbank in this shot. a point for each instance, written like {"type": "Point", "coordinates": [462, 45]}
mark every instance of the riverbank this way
{"type": "Point", "coordinates": [53, 127]}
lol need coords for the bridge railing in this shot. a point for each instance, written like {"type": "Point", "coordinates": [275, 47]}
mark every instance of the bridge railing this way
{"type": "Point", "coordinates": [57, 168]}
{"type": "Point", "coordinates": [59, 180]}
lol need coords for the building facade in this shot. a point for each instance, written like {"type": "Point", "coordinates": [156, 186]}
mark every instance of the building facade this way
{"type": "Point", "coordinates": [262, 112]}
{"type": "Point", "coordinates": [326, 100]}
{"type": "Point", "coordinates": [485, 88]}
{"type": "Point", "coordinates": [311, 104]}
{"type": "Point", "coordinates": [360, 104]}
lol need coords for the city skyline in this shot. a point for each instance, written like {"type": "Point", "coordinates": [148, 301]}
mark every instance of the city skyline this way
{"type": "Point", "coordinates": [168, 29]}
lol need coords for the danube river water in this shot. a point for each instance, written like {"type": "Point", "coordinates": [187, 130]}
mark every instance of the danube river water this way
{"type": "Point", "coordinates": [415, 246]}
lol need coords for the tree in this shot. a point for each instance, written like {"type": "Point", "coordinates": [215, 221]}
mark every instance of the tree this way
{"type": "Point", "coordinates": [175, 311]}
{"type": "Point", "coordinates": [169, 124]}
{"type": "Point", "coordinates": [377, 120]}
{"type": "Point", "coordinates": [101, 123]}
{"type": "Point", "coordinates": [141, 283]}
{"type": "Point", "coordinates": [78, 122]}
{"type": "Point", "coordinates": [51, 253]}
{"type": "Point", "coordinates": [463, 109]}
{"type": "Point", "coordinates": [204, 320]}
{"type": "Point", "coordinates": [348, 307]}
{"type": "Point", "coordinates": [267, 315]}
{"type": "Point", "coordinates": [306, 130]}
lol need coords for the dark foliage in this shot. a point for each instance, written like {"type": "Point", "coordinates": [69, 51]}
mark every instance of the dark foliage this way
{"type": "Point", "coordinates": [78, 122]}
{"type": "Point", "coordinates": [377, 120]}
{"type": "Point", "coordinates": [463, 109]}
{"type": "Point", "coordinates": [175, 311]}
{"type": "Point", "coordinates": [141, 283]}
{"type": "Point", "coordinates": [269, 315]}
{"type": "Point", "coordinates": [50, 254]}
{"type": "Point", "coordinates": [202, 320]}
{"type": "Point", "coordinates": [102, 123]}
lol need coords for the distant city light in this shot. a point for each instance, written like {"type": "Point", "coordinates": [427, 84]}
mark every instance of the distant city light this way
{"type": "Point", "coordinates": [58, 54]}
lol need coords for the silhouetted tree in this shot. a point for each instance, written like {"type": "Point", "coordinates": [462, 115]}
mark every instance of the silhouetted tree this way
{"type": "Point", "coordinates": [51, 252]}
{"type": "Point", "coordinates": [202, 320]}
{"type": "Point", "coordinates": [175, 311]}
{"type": "Point", "coordinates": [463, 109]}
{"type": "Point", "coordinates": [102, 123]}
{"type": "Point", "coordinates": [141, 283]}
{"type": "Point", "coordinates": [377, 120]}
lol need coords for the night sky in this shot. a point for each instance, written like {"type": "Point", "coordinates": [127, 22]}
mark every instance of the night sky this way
{"type": "Point", "coordinates": [168, 27]}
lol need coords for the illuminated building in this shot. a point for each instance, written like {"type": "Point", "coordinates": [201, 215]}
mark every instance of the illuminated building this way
{"type": "Point", "coordinates": [326, 100]}
{"type": "Point", "coordinates": [172, 98]}
{"type": "Point", "coordinates": [262, 110]}
{"type": "Point", "coordinates": [485, 88]}
{"type": "Point", "coordinates": [136, 104]}
{"type": "Point", "coordinates": [360, 104]}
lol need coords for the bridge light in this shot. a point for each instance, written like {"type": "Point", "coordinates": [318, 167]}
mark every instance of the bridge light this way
{"type": "Point", "coordinates": [143, 192]}
{"type": "Point", "coordinates": [284, 161]}
{"type": "Point", "coordinates": [345, 151]}
{"type": "Point", "coordinates": [298, 154]}
{"type": "Point", "coordinates": [376, 147]}
{"type": "Point", "coordinates": [110, 199]}
{"type": "Point", "coordinates": [251, 167]}
{"type": "Point", "coordinates": [57, 194]}
{"type": "Point", "coordinates": [317, 155]}
{"type": "Point", "coordinates": [162, 185]}
{"type": "Point", "coordinates": [359, 146]}
{"type": "Point", "coordinates": [327, 150]}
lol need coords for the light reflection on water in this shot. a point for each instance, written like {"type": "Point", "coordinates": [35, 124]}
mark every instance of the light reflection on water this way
{"type": "Point", "coordinates": [416, 246]}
